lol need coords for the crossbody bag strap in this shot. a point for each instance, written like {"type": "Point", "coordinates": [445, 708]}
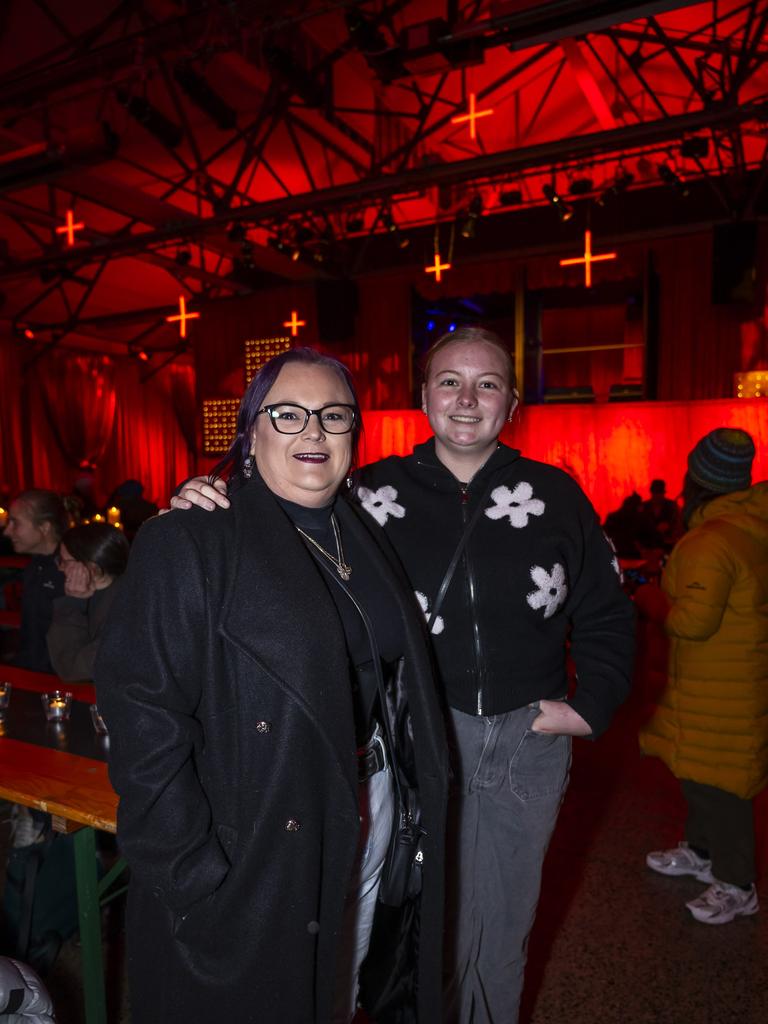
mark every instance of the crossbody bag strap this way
{"type": "Point", "coordinates": [390, 739]}
{"type": "Point", "coordinates": [443, 588]}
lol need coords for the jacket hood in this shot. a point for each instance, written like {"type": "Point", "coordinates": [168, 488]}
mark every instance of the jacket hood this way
{"type": "Point", "coordinates": [747, 509]}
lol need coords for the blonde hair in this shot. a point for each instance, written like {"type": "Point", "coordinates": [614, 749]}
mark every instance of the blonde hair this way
{"type": "Point", "coordinates": [472, 335]}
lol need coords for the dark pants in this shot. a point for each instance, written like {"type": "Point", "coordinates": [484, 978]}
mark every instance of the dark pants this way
{"type": "Point", "coordinates": [722, 825]}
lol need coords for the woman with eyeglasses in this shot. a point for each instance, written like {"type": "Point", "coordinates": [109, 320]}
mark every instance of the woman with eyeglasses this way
{"type": "Point", "coordinates": [515, 577]}
{"type": "Point", "coordinates": [92, 558]}
{"type": "Point", "coordinates": [263, 671]}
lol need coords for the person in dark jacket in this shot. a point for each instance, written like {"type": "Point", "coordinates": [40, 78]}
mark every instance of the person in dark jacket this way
{"type": "Point", "coordinates": [92, 557]}
{"type": "Point", "coordinates": [239, 675]}
{"type": "Point", "coordinates": [536, 573]}
{"type": "Point", "coordinates": [36, 521]}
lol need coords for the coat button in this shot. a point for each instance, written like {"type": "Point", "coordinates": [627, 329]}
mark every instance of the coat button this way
{"type": "Point", "coordinates": [292, 825]}
{"type": "Point", "coordinates": [263, 727]}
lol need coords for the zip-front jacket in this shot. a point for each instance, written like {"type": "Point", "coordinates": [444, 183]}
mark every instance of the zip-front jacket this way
{"type": "Point", "coordinates": [536, 572]}
{"type": "Point", "coordinates": [711, 724]}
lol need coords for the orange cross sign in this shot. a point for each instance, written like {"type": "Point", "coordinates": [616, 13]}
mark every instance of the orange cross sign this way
{"type": "Point", "coordinates": [588, 259]}
{"type": "Point", "coordinates": [294, 323]}
{"type": "Point", "coordinates": [183, 316]}
{"type": "Point", "coordinates": [437, 267]}
{"type": "Point", "coordinates": [70, 228]}
{"type": "Point", "coordinates": [472, 116]}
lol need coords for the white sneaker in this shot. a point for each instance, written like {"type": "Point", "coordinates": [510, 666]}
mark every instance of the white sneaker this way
{"type": "Point", "coordinates": [721, 902]}
{"type": "Point", "coordinates": [680, 861]}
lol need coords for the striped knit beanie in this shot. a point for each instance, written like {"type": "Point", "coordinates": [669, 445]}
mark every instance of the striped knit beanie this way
{"type": "Point", "coordinates": [722, 460]}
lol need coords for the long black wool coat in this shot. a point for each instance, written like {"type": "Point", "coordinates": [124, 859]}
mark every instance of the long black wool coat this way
{"type": "Point", "coordinates": [224, 682]}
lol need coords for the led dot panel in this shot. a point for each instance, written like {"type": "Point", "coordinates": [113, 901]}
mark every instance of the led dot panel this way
{"type": "Point", "coordinates": [219, 423]}
{"type": "Point", "coordinates": [752, 384]}
{"type": "Point", "coordinates": [259, 350]}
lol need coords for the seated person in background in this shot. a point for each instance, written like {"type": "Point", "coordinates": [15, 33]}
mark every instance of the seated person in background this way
{"type": "Point", "coordinates": [623, 526]}
{"type": "Point", "coordinates": [134, 507]}
{"type": "Point", "coordinates": [91, 557]}
{"type": "Point", "coordinates": [36, 521]}
{"type": "Point", "coordinates": [662, 524]}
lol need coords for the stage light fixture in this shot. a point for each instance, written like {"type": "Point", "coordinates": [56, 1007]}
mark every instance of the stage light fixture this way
{"type": "Point", "coordinates": [474, 210]}
{"type": "Point", "coordinates": [621, 182]}
{"type": "Point", "coordinates": [154, 120]}
{"type": "Point", "coordinates": [23, 330]}
{"type": "Point", "coordinates": [183, 256]}
{"type": "Point", "coordinates": [384, 59]}
{"type": "Point", "coordinates": [695, 148]}
{"type": "Point", "coordinates": [581, 184]}
{"type": "Point", "coordinates": [202, 95]}
{"type": "Point", "coordinates": [564, 210]}
{"type": "Point", "coordinates": [671, 177]}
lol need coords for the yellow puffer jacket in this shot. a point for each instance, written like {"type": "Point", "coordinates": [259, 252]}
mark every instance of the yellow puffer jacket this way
{"type": "Point", "coordinates": [711, 724]}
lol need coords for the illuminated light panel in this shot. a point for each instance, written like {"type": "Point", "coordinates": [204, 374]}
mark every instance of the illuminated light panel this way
{"type": "Point", "coordinates": [751, 384]}
{"type": "Point", "coordinates": [219, 424]}
{"type": "Point", "coordinates": [70, 228]}
{"type": "Point", "coordinates": [437, 267]}
{"type": "Point", "coordinates": [259, 351]}
{"type": "Point", "coordinates": [182, 316]}
{"type": "Point", "coordinates": [472, 117]}
{"type": "Point", "coordinates": [294, 323]}
{"type": "Point", "coordinates": [588, 259]}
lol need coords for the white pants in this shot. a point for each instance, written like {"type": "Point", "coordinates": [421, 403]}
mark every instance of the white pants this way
{"type": "Point", "coordinates": [376, 814]}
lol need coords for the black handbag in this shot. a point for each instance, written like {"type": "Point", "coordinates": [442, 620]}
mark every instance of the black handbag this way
{"type": "Point", "coordinates": [401, 874]}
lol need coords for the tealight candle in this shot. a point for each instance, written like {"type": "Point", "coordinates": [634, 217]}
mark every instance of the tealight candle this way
{"type": "Point", "coordinates": [5, 695]}
{"type": "Point", "coordinates": [56, 705]}
{"type": "Point", "coordinates": [113, 515]}
{"type": "Point", "coordinates": [3, 516]}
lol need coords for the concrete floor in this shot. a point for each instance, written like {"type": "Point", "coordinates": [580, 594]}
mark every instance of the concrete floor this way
{"type": "Point", "coordinates": [613, 942]}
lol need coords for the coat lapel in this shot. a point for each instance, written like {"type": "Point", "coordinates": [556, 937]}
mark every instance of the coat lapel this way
{"type": "Point", "coordinates": [279, 613]}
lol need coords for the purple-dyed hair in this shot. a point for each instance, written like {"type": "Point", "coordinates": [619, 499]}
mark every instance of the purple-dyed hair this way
{"type": "Point", "coordinates": [256, 393]}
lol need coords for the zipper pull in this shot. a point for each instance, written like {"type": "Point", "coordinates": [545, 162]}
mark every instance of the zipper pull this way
{"type": "Point", "coordinates": [464, 488]}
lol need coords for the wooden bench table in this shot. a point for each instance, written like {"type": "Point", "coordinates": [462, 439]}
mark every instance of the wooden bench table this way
{"type": "Point", "coordinates": [61, 769]}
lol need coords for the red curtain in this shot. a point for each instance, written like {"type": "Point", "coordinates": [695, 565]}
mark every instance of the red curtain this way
{"type": "Point", "coordinates": [610, 448]}
{"type": "Point", "coordinates": [79, 400]}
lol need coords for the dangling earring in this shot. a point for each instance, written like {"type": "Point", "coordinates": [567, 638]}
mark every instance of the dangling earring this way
{"type": "Point", "coordinates": [248, 465]}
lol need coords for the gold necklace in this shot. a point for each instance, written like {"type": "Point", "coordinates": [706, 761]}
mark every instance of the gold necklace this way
{"type": "Point", "coordinates": [344, 570]}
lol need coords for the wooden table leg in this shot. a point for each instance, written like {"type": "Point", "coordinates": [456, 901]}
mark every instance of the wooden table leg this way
{"type": "Point", "coordinates": [90, 926]}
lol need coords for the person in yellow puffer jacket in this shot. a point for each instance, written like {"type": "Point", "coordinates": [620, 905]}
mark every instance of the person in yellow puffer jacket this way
{"type": "Point", "coordinates": [711, 723]}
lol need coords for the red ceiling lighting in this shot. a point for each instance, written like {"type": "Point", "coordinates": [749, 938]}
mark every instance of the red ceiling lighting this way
{"type": "Point", "coordinates": [472, 116]}
{"type": "Point", "coordinates": [182, 317]}
{"type": "Point", "coordinates": [294, 323]}
{"type": "Point", "coordinates": [588, 259]}
{"type": "Point", "coordinates": [70, 228]}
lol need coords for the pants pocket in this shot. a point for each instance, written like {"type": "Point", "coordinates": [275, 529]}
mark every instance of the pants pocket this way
{"type": "Point", "coordinates": [539, 766]}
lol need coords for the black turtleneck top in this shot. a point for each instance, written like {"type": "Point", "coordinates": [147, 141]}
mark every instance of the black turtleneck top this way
{"type": "Point", "coordinates": [378, 603]}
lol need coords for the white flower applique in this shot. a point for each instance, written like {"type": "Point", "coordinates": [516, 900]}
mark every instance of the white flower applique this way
{"type": "Point", "coordinates": [552, 589]}
{"type": "Point", "coordinates": [381, 504]}
{"type": "Point", "coordinates": [518, 505]}
{"type": "Point", "coordinates": [615, 560]}
{"type": "Point", "coordinates": [438, 625]}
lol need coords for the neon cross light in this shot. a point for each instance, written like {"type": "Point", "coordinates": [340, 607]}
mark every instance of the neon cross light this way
{"type": "Point", "coordinates": [70, 228]}
{"type": "Point", "coordinates": [588, 259]}
{"type": "Point", "coordinates": [294, 323]}
{"type": "Point", "coordinates": [437, 267]}
{"type": "Point", "coordinates": [472, 116]}
{"type": "Point", "coordinates": [182, 317]}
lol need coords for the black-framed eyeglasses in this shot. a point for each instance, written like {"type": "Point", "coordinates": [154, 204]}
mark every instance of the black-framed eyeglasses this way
{"type": "Point", "coordinates": [288, 418]}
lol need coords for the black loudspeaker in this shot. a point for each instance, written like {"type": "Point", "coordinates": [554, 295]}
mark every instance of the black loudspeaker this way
{"type": "Point", "coordinates": [336, 304]}
{"type": "Point", "coordinates": [733, 263]}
